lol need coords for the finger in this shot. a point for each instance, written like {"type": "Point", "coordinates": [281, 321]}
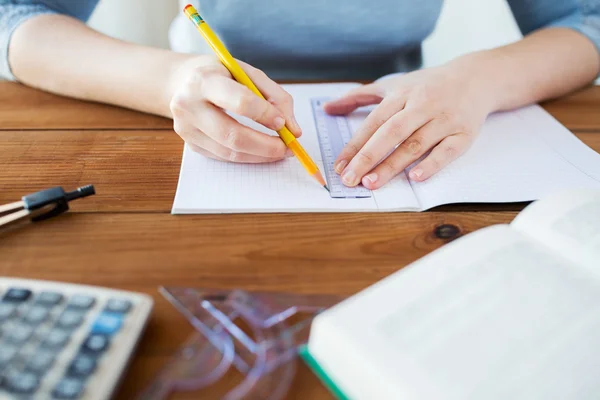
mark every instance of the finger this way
{"type": "Point", "coordinates": [208, 147]}
{"type": "Point", "coordinates": [384, 111]}
{"type": "Point", "coordinates": [276, 95]}
{"type": "Point", "coordinates": [443, 154]}
{"type": "Point", "coordinates": [359, 97]}
{"type": "Point", "coordinates": [235, 97]}
{"type": "Point", "coordinates": [238, 137]}
{"type": "Point", "coordinates": [407, 153]}
{"type": "Point", "coordinates": [384, 141]}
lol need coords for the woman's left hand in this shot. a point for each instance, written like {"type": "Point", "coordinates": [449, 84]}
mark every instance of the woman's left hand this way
{"type": "Point", "coordinates": [439, 109]}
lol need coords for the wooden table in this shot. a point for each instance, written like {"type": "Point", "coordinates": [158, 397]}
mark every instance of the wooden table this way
{"type": "Point", "coordinates": [125, 236]}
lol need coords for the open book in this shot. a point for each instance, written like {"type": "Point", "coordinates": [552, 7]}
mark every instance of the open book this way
{"type": "Point", "coordinates": [508, 312]}
{"type": "Point", "coordinates": [521, 155]}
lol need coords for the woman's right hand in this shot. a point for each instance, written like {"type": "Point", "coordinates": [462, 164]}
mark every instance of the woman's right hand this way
{"type": "Point", "coordinates": [204, 89]}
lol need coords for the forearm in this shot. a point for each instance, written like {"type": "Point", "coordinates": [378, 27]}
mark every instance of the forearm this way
{"type": "Point", "coordinates": [544, 65]}
{"type": "Point", "coordinates": [62, 55]}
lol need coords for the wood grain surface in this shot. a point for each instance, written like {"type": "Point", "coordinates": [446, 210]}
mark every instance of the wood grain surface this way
{"type": "Point", "coordinates": [124, 237]}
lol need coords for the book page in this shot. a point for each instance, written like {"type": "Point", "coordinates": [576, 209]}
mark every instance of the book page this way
{"type": "Point", "coordinates": [568, 223]}
{"type": "Point", "coordinates": [519, 155]}
{"type": "Point", "coordinates": [209, 186]}
{"type": "Point", "coordinates": [493, 315]}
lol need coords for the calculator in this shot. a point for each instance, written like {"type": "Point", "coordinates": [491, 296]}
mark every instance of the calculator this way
{"type": "Point", "coordinates": [66, 341]}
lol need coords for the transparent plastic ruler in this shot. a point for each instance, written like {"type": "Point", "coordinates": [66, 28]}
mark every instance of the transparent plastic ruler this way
{"type": "Point", "coordinates": [334, 133]}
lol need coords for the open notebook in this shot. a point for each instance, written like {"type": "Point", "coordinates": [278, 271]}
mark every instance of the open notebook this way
{"type": "Point", "coordinates": [507, 312]}
{"type": "Point", "coordinates": [520, 155]}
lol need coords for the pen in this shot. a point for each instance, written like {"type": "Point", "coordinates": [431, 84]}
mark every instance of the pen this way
{"type": "Point", "coordinates": [238, 73]}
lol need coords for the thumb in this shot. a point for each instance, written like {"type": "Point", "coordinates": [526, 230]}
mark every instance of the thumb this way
{"type": "Point", "coordinates": [359, 97]}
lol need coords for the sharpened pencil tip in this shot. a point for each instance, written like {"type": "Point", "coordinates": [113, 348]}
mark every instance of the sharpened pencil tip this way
{"type": "Point", "coordinates": [326, 188]}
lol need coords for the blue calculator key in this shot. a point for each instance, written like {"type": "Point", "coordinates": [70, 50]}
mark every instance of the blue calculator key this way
{"type": "Point", "coordinates": [68, 388]}
{"type": "Point", "coordinates": [81, 302]}
{"type": "Point", "coordinates": [95, 344]}
{"type": "Point", "coordinates": [17, 295]}
{"type": "Point", "coordinates": [49, 299]}
{"type": "Point", "coordinates": [107, 323]}
{"type": "Point", "coordinates": [120, 306]}
{"type": "Point", "coordinates": [82, 366]}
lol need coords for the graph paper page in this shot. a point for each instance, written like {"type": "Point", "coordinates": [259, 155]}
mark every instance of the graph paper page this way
{"type": "Point", "coordinates": [520, 155]}
{"type": "Point", "coordinates": [210, 186]}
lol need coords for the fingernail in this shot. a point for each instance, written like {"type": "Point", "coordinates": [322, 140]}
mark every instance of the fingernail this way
{"type": "Point", "coordinates": [416, 173]}
{"type": "Point", "coordinates": [289, 153]}
{"type": "Point", "coordinates": [340, 165]}
{"type": "Point", "coordinates": [349, 178]}
{"type": "Point", "coordinates": [278, 123]}
{"type": "Point", "coordinates": [371, 178]}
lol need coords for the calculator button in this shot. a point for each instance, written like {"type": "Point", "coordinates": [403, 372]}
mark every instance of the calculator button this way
{"type": "Point", "coordinates": [17, 295]}
{"type": "Point", "coordinates": [69, 319]}
{"type": "Point", "coordinates": [95, 344]}
{"type": "Point", "coordinates": [40, 362]}
{"type": "Point", "coordinates": [107, 323]}
{"type": "Point", "coordinates": [22, 383]}
{"type": "Point", "coordinates": [36, 315]}
{"type": "Point", "coordinates": [7, 353]}
{"type": "Point", "coordinates": [49, 298]}
{"type": "Point", "coordinates": [19, 334]}
{"type": "Point", "coordinates": [119, 306]}
{"type": "Point", "coordinates": [81, 302]}
{"type": "Point", "coordinates": [56, 339]}
{"type": "Point", "coordinates": [7, 310]}
{"type": "Point", "coordinates": [82, 366]}
{"type": "Point", "coordinates": [68, 388]}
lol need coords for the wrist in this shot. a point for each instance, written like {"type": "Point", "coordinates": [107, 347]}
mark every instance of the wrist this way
{"type": "Point", "coordinates": [480, 79]}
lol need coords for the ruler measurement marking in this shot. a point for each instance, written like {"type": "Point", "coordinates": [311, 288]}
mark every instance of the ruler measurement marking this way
{"type": "Point", "coordinates": [333, 133]}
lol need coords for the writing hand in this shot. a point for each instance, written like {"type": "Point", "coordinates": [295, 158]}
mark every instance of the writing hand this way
{"type": "Point", "coordinates": [207, 90]}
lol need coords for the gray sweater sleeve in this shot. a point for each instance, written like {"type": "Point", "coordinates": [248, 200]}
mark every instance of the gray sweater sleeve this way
{"type": "Point", "coordinates": [14, 12]}
{"type": "Point", "coordinates": [582, 16]}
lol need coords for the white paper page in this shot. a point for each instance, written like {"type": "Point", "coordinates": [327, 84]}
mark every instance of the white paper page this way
{"type": "Point", "coordinates": [491, 316]}
{"type": "Point", "coordinates": [209, 186]}
{"type": "Point", "coordinates": [519, 156]}
{"type": "Point", "coordinates": [568, 223]}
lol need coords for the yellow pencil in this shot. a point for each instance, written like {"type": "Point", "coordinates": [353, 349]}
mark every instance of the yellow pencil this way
{"type": "Point", "coordinates": [238, 73]}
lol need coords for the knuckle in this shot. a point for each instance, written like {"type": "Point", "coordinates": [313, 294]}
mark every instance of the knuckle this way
{"type": "Point", "coordinates": [390, 166]}
{"type": "Point", "coordinates": [286, 99]}
{"type": "Point", "coordinates": [177, 104]}
{"type": "Point", "coordinates": [392, 132]}
{"type": "Point", "coordinates": [352, 148]}
{"type": "Point", "coordinates": [243, 104]}
{"type": "Point", "coordinates": [233, 156]}
{"type": "Point", "coordinates": [445, 117]}
{"type": "Point", "coordinates": [413, 146]}
{"type": "Point", "coordinates": [451, 151]}
{"type": "Point", "coordinates": [275, 151]}
{"type": "Point", "coordinates": [202, 75]}
{"type": "Point", "coordinates": [233, 138]}
{"type": "Point", "coordinates": [365, 157]}
{"type": "Point", "coordinates": [435, 164]}
{"type": "Point", "coordinates": [264, 114]}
